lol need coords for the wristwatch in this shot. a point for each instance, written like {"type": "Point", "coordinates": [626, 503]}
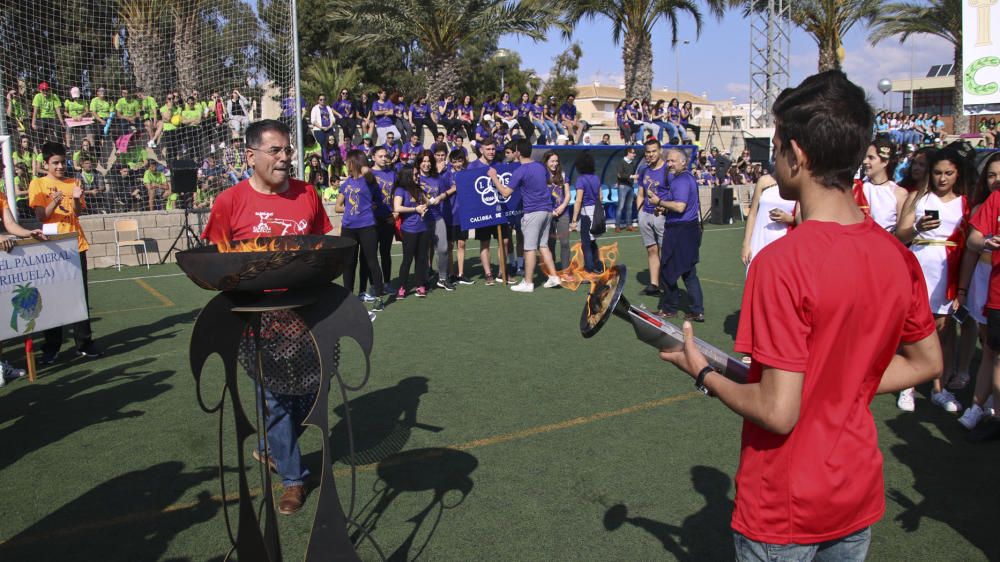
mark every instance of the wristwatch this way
{"type": "Point", "coordinates": [699, 381]}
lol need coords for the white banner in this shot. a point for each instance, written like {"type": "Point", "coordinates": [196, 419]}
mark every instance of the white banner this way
{"type": "Point", "coordinates": [980, 50]}
{"type": "Point", "coordinates": [41, 286]}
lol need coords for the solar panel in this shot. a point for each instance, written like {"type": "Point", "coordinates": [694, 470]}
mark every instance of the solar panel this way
{"type": "Point", "coordinates": [933, 71]}
{"type": "Point", "coordinates": [946, 70]}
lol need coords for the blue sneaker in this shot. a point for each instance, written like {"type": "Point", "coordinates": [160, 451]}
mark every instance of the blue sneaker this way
{"type": "Point", "coordinates": [366, 298]}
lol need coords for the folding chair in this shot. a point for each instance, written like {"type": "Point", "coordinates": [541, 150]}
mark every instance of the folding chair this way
{"type": "Point", "coordinates": [127, 234]}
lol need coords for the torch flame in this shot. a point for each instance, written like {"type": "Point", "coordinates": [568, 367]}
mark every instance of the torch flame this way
{"type": "Point", "coordinates": [574, 275]}
{"type": "Point", "coordinates": [280, 244]}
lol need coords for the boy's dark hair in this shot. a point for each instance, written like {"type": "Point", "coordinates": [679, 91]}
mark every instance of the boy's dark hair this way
{"type": "Point", "coordinates": [524, 148]}
{"type": "Point", "coordinates": [966, 173]}
{"type": "Point", "coordinates": [488, 141]}
{"type": "Point", "coordinates": [51, 149]}
{"type": "Point", "coordinates": [653, 142]}
{"type": "Point", "coordinates": [830, 119]}
{"type": "Point", "coordinates": [456, 155]}
{"type": "Point", "coordinates": [257, 129]}
{"type": "Point", "coordinates": [439, 147]}
{"type": "Point", "coordinates": [585, 163]}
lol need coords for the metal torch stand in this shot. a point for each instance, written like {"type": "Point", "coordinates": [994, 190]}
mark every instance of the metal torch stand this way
{"type": "Point", "coordinates": [330, 313]}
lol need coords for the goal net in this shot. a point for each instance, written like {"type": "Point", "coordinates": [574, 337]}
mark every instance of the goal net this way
{"type": "Point", "coordinates": [134, 88]}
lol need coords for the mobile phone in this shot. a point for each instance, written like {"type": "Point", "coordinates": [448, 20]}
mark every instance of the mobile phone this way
{"type": "Point", "coordinates": [961, 314]}
{"type": "Point", "coordinates": [932, 214]}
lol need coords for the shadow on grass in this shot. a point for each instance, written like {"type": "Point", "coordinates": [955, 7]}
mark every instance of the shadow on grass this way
{"type": "Point", "coordinates": [134, 337]}
{"type": "Point", "coordinates": [48, 413]}
{"type": "Point", "coordinates": [445, 473]}
{"type": "Point", "coordinates": [135, 503]}
{"type": "Point", "coordinates": [382, 421]}
{"type": "Point", "coordinates": [956, 479]}
{"type": "Point", "coordinates": [705, 535]}
{"type": "Point", "coordinates": [731, 324]}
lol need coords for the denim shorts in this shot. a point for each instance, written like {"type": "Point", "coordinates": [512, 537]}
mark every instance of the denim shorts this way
{"type": "Point", "coordinates": [852, 548]}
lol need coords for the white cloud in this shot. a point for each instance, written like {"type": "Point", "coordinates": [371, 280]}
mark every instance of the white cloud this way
{"type": "Point", "coordinates": [737, 88]}
{"type": "Point", "coordinates": [894, 60]}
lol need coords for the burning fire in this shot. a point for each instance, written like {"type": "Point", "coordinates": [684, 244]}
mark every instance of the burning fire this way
{"type": "Point", "coordinates": [574, 275]}
{"type": "Point", "coordinates": [279, 244]}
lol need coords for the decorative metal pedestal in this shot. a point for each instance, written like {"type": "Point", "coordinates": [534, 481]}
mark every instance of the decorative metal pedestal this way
{"type": "Point", "coordinates": [289, 343]}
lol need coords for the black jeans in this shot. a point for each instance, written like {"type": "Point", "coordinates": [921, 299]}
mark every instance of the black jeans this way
{"type": "Point", "coordinates": [415, 245]}
{"type": "Point", "coordinates": [419, 124]}
{"type": "Point", "coordinates": [367, 240]}
{"type": "Point", "coordinates": [385, 229]}
{"type": "Point", "coordinates": [350, 127]}
{"type": "Point", "coordinates": [81, 330]}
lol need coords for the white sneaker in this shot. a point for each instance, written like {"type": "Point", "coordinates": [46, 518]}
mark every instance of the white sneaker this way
{"type": "Point", "coordinates": [151, 144]}
{"type": "Point", "coordinates": [523, 287]}
{"type": "Point", "coordinates": [8, 372]}
{"type": "Point", "coordinates": [552, 282]}
{"type": "Point", "coordinates": [371, 316]}
{"type": "Point", "coordinates": [988, 406]}
{"type": "Point", "coordinates": [946, 400]}
{"type": "Point", "coordinates": [971, 416]}
{"type": "Point", "coordinates": [905, 400]}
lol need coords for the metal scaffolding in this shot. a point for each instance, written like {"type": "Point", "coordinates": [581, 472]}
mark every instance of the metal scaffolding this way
{"type": "Point", "coordinates": [770, 43]}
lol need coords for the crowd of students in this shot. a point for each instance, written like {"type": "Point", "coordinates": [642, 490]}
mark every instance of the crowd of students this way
{"type": "Point", "coordinates": [941, 203]}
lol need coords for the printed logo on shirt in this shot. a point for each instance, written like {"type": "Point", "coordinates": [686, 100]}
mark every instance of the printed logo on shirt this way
{"type": "Point", "coordinates": [267, 224]}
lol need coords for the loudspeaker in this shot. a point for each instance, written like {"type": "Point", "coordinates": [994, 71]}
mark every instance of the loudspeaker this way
{"type": "Point", "coordinates": [722, 205]}
{"type": "Point", "coordinates": [183, 176]}
{"type": "Point", "coordinates": [760, 149]}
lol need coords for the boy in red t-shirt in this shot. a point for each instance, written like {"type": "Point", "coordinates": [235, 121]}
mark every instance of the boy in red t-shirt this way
{"type": "Point", "coordinates": [832, 314]}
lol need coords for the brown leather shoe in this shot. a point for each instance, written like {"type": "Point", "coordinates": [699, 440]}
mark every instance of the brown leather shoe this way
{"type": "Point", "coordinates": [692, 317]}
{"type": "Point", "coordinates": [270, 461]}
{"type": "Point", "coordinates": [292, 500]}
{"type": "Point", "coordinates": [630, 229]}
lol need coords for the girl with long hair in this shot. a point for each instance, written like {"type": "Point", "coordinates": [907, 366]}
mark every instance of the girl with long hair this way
{"type": "Point", "coordinates": [316, 173]}
{"type": "Point", "coordinates": [916, 175]}
{"type": "Point", "coordinates": [768, 220]}
{"type": "Point", "coordinates": [936, 225]}
{"type": "Point", "coordinates": [623, 122]}
{"type": "Point", "coordinates": [467, 116]}
{"type": "Point", "coordinates": [537, 115]}
{"type": "Point", "coordinates": [879, 196]}
{"type": "Point", "coordinates": [559, 186]}
{"type": "Point", "coordinates": [410, 202]}
{"type": "Point", "coordinates": [974, 286]}
{"type": "Point", "coordinates": [524, 116]}
{"type": "Point", "coordinates": [674, 121]}
{"type": "Point", "coordinates": [356, 201]}
{"type": "Point", "coordinates": [430, 180]}
{"type": "Point", "coordinates": [658, 116]}
{"type": "Point", "coordinates": [687, 114]}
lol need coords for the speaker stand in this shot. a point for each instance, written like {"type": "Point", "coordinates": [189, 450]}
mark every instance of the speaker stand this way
{"type": "Point", "coordinates": [186, 231]}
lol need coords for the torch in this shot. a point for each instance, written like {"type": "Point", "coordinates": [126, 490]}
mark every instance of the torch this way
{"type": "Point", "coordinates": [605, 299]}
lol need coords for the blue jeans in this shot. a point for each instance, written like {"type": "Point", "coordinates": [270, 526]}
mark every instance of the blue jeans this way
{"type": "Point", "coordinates": [853, 547]}
{"type": "Point", "coordinates": [285, 414]}
{"type": "Point", "coordinates": [626, 206]}
{"type": "Point", "coordinates": [588, 244]}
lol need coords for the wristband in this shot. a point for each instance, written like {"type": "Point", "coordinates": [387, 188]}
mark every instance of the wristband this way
{"type": "Point", "coordinates": [699, 381]}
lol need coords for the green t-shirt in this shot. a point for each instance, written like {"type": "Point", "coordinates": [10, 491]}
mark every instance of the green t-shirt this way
{"type": "Point", "coordinates": [75, 108]}
{"type": "Point", "coordinates": [17, 109]}
{"type": "Point", "coordinates": [127, 107]}
{"type": "Point", "coordinates": [149, 108]}
{"type": "Point", "coordinates": [46, 105]}
{"type": "Point", "coordinates": [314, 149]}
{"type": "Point", "coordinates": [100, 108]}
{"type": "Point", "coordinates": [153, 177]}
{"type": "Point", "coordinates": [135, 157]}
{"type": "Point", "coordinates": [189, 114]}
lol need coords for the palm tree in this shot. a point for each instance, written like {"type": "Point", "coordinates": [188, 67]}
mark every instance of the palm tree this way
{"type": "Point", "coordinates": [144, 26]}
{"type": "Point", "coordinates": [440, 28]}
{"type": "Point", "coordinates": [326, 77]}
{"type": "Point", "coordinates": [632, 23]}
{"type": "Point", "coordinates": [827, 21]}
{"type": "Point", "coordinates": [187, 41]}
{"type": "Point", "coordinates": [942, 18]}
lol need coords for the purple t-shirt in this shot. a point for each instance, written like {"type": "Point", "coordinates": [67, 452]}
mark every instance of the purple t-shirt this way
{"type": "Point", "coordinates": [432, 188]}
{"type": "Point", "coordinates": [683, 187]}
{"type": "Point", "coordinates": [533, 181]}
{"type": "Point", "coordinates": [652, 181]}
{"type": "Point", "coordinates": [465, 112]}
{"type": "Point", "coordinates": [535, 111]}
{"type": "Point", "coordinates": [386, 180]}
{"type": "Point", "coordinates": [567, 110]}
{"type": "Point", "coordinates": [476, 164]}
{"type": "Point", "coordinates": [489, 107]}
{"type": "Point", "coordinates": [524, 109]}
{"type": "Point", "coordinates": [454, 196]}
{"type": "Point", "coordinates": [591, 187]}
{"type": "Point", "coordinates": [482, 132]}
{"type": "Point", "coordinates": [674, 114]}
{"type": "Point", "coordinates": [412, 222]}
{"type": "Point", "coordinates": [443, 108]}
{"type": "Point", "coordinates": [505, 109]}
{"type": "Point", "coordinates": [358, 200]}
{"type": "Point", "coordinates": [401, 109]}
{"type": "Point", "coordinates": [419, 111]}
{"type": "Point", "coordinates": [344, 107]}
{"type": "Point", "coordinates": [383, 120]}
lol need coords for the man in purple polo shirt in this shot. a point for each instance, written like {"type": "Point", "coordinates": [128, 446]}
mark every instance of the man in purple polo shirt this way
{"type": "Point", "coordinates": [533, 180]}
{"type": "Point", "coordinates": [681, 240]}
{"type": "Point", "coordinates": [383, 110]}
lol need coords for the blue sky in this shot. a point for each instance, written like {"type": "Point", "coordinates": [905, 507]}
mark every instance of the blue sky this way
{"type": "Point", "coordinates": [718, 61]}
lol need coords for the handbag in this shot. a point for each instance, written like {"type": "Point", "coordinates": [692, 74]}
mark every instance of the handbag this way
{"type": "Point", "coordinates": [597, 222]}
{"type": "Point", "coordinates": [398, 223]}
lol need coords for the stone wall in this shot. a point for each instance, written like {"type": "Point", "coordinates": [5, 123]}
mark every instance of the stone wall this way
{"type": "Point", "coordinates": [159, 229]}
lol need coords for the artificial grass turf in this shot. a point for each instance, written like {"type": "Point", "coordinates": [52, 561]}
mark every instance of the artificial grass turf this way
{"type": "Point", "coordinates": [550, 447]}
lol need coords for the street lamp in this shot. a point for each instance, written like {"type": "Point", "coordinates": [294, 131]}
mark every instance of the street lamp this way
{"type": "Point", "coordinates": [884, 85]}
{"type": "Point", "coordinates": [677, 65]}
{"type": "Point", "coordinates": [501, 57]}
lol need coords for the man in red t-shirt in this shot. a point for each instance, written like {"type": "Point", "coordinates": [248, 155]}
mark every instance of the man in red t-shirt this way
{"type": "Point", "coordinates": [272, 204]}
{"type": "Point", "coordinates": [832, 314]}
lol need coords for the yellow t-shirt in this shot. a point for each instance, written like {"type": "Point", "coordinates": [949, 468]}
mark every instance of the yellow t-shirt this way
{"type": "Point", "coordinates": [40, 193]}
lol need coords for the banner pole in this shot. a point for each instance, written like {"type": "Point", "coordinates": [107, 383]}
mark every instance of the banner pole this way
{"type": "Point", "coordinates": [502, 253]}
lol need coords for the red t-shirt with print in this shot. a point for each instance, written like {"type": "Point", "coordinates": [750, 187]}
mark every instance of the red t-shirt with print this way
{"type": "Point", "coordinates": [987, 220]}
{"type": "Point", "coordinates": [833, 302]}
{"type": "Point", "coordinates": [241, 213]}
